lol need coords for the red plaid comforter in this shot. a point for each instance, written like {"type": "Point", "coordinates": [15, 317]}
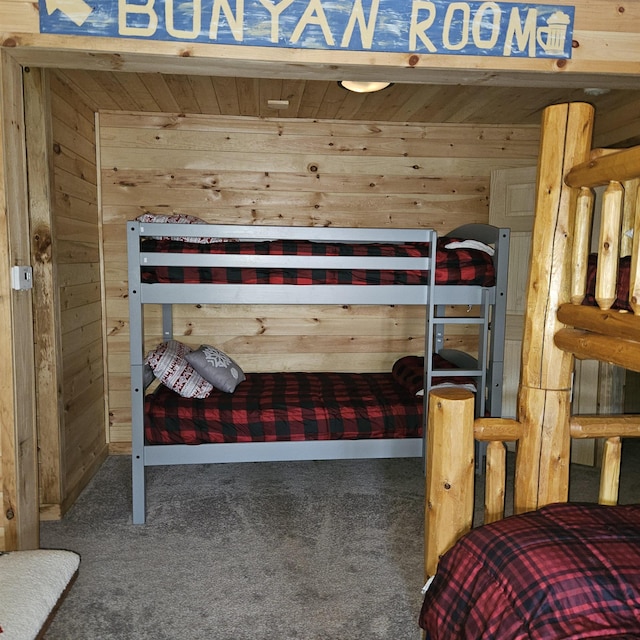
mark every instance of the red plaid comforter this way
{"type": "Point", "coordinates": [455, 266]}
{"type": "Point", "coordinates": [287, 406]}
{"type": "Point", "coordinates": [622, 284]}
{"type": "Point", "coordinates": [565, 571]}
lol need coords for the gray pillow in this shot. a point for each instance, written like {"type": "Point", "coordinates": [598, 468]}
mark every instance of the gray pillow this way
{"type": "Point", "coordinates": [216, 367]}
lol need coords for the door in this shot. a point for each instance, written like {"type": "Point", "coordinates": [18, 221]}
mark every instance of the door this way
{"type": "Point", "coordinates": [512, 205]}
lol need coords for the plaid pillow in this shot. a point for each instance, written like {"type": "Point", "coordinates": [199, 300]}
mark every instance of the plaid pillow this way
{"type": "Point", "coordinates": [408, 372]}
{"type": "Point", "coordinates": [178, 218]}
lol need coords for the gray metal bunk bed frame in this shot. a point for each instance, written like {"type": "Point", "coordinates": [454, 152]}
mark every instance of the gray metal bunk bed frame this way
{"type": "Point", "coordinates": [487, 370]}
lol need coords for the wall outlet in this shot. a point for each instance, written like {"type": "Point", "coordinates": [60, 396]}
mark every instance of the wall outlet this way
{"type": "Point", "coordinates": [21, 278]}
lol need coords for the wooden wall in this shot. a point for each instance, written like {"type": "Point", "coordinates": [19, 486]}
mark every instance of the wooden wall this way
{"type": "Point", "coordinates": [71, 393]}
{"type": "Point", "coordinates": [301, 172]}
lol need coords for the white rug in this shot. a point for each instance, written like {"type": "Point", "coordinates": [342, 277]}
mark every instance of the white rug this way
{"type": "Point", "coordinates": [31, 583]}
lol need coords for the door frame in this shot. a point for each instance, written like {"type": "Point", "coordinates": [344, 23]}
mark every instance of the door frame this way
{"type": "Point", "coordinates": [18, 435]}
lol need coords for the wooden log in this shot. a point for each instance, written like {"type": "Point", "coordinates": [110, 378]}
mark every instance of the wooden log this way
{"type": "Point", "coordinates": [605, 426]}
{"type": "Point", "coordinates": [542, 459]}
{"type": "Point", "coordinates": [607, 322]}
{"type": "Point", "coordinates": [592, 346]}
{"type": "Point", "coordinates": [542, 462]}
{"type": "Point", "coordinates": [450, 472]}
{"type": "Point", "coordinates": [609, 245]}
{"type": "Point", "coordinates": [634, 273]}
{"type": "Point", "coordinates": [566, 140]}
{"type": "Point", "coordinates": [496, 479]}
{"type": "Point", "coordinates": [502, 429]}
{"type": "Point", "coordinates": [596, 172]}
{"type": "Point", "coordinates": [581, 244]}
{"type": "Point", "coordinates": [610, 474]}
{"type": "Point", "coordinates": [628, 216]}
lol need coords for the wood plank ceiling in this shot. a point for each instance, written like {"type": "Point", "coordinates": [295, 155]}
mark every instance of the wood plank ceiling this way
{"type": "Point", "coordinates": [618, 110]}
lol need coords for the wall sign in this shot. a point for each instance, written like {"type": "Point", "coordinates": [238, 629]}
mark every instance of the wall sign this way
{"type": "Point", "coordinates": [406, 26]}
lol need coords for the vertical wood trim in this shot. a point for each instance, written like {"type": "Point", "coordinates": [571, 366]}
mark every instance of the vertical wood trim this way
{"type": "Point", "coordinates": [7, 409]}
{"type": "Point", "coordinates": [544, 397]}
{"type": "Point", "coordinates": [45, 291]}
{"type": "Point", "coordinates": [17, 406]}
{"type": "Point", "coordinates": [103, 288]}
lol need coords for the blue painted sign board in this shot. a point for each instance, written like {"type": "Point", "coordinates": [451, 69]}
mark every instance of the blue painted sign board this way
{"type": "Point", "coordinates": [407, 26]}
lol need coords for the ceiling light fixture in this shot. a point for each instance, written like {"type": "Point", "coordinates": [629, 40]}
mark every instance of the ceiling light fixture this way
{"type": "Point", "coordinates": [278, 104]}
{"type": "Point", "coordinates": [595, 91]}
{"type": "Point", "coordinates": [364, 87]}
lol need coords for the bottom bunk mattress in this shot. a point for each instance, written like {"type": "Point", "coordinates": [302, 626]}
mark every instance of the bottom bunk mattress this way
{"type": "Point", "coordinates": [269, 407]}
{"type": "Point", "coordinates": [564, 571]}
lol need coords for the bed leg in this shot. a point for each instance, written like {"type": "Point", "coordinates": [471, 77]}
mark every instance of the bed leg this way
{"type": "Point", "coordinates": [138, 489]}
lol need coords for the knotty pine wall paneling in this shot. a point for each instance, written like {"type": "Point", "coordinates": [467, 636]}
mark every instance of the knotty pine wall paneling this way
{"type": "Point", "coordinates": [76, 254]}
{"type": "Point", "coordinates": [249, 170]}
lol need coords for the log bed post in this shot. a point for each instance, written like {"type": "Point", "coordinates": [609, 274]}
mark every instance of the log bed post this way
{"type": "Point", "coordinates": [450, 472]}
{"type": "Point", "coordinates": [542, 464]}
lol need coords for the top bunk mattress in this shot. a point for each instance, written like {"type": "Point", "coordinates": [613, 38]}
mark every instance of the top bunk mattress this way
{"type": "Point", "coordinates": [454, 266]}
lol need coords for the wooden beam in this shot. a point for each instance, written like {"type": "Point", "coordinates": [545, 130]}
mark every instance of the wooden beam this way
{"type": "Point", "coordinates": [587, 345]}
{"type": "Point", "coordinates": [496, 482]}
{"type": "Point", "coordinates": [607, 322]}
{"type": "Point", "coordinates": [597, 172]}
{"type": "Point", "coordinates": [45, 296]}
{"type": "Point", "coordinates": [502, 429]}
{"type": "Point", "coordinates": [542, 463]}
{"type": "Point", "coordinates": [610, 474]}
{"type": "Point", "coordinates": [605, 426]}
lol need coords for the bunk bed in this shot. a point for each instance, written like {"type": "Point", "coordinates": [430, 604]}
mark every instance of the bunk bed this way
{"type": "Point", "coordinates": [552, 568]}
{"type": "Point", "coordinates": [301, 416]}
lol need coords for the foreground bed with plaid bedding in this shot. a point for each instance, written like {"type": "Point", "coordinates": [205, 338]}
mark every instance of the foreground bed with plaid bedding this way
{"type": "Point", "coordinates": [564, 571]}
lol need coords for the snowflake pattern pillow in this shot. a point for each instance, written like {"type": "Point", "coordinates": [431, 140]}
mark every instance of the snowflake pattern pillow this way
{"type": "Point", "coordinates": [177, 218]}
{"type": "Point", "coordinates": [169, 365]}
{"type": "Point", "coordinates": [216, 367]}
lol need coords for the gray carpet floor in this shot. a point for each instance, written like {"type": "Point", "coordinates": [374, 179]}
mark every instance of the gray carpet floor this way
{"type": "Point", "coordinates": [267, 551]}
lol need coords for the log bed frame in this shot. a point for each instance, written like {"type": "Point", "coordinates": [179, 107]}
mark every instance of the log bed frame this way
{"type": "Point", "coordinates": [557, 328]}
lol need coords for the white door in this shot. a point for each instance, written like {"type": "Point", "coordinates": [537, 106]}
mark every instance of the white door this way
{"type": "Point", "coordinates": [512, 205]}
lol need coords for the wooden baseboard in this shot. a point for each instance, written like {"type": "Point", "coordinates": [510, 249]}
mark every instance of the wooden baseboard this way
{"type": "Point", "coordinates": [57, 511]}
{"type": "Point", "coordinates": [119, 448]}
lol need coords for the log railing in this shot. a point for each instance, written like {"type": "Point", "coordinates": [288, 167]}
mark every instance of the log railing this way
{"type": "Point", "coordinates": [598, 332]}
{"type": "Point", "coordinates": [450, 491]}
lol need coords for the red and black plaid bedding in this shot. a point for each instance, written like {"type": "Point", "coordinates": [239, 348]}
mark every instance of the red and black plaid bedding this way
{"type": "Point", "coordinates": [564, 571]}
{"type": "Point", "coordinates": [287, 406]}
{"type": "Point", "coordinates": [622, 284]}
{"type": "Point", "coordinates": [453, 266]}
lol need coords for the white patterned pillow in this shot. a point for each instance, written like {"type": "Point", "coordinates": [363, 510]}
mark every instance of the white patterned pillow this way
{"type": "Point", "coordinates": [216, 367]}
{"type": "Point", "coordinates": [172, 369]}
{"type": "Point", "coordinates": [177, 218]}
